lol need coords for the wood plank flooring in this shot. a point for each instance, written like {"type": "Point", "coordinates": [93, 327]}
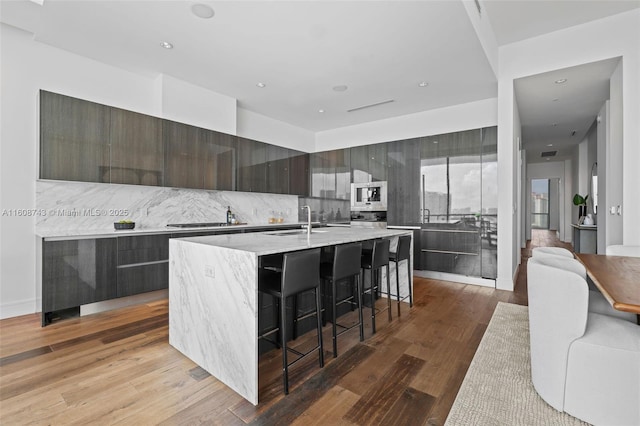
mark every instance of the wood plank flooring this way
{"type": "Point", "coordinates": [117, 367]}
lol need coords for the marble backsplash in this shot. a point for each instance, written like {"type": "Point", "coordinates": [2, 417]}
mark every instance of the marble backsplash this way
{"type": "Point", "coordinates": [96, 206]}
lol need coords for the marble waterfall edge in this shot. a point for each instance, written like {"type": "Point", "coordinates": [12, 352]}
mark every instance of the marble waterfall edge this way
{"type": "Point", "coordinates": [213, 312]}
{"type": "Point", "coordinates": [69, 206]}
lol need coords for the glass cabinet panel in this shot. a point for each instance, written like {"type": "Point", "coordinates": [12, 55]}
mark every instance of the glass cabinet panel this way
{"type": "Point", "coordinates": [457, 173]}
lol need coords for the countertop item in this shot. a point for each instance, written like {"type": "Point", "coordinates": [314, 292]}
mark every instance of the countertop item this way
{"type": "Point", "coordinates": [213, 295]}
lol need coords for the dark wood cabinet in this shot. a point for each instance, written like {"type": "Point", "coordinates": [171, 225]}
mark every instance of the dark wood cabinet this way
{"type": "Point", "coordinates": [77, 272]}
{"type": "Point", "coordinates": [403, 182]}
{"type": "Point", "coordinates": [143, 264]}
{"type": "Point", "coordinates": [331, 174]}
{"type": "Point", "coordinates": [369, 163]}
{"type": "Point", "coordinates": [251, 168]}
{"type": "Point", "coordinates": [220, 154]}
{"type": "Point", "coordinates": [137, 149]}
{"type": "Point", "coordinates": [184, 149]}
{"type": "Point", "coordinates": [74, 139]}
{"type": "Point", "coordinates": [277, 169]}
{"type": "Point", "coordinates": [299, 173]}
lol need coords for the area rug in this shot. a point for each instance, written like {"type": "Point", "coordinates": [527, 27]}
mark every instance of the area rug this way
{"type": "Point", "coordinates": [497, 389]}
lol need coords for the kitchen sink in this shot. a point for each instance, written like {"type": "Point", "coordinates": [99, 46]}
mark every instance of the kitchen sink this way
{"type": "Point", "coordinates": [295, 232]}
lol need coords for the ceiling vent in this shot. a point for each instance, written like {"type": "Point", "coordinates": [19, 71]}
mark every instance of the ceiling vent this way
{"type": "Point", "coordinates": [549, 154]}
{"type": "Point", "coordinates": [370, 106]}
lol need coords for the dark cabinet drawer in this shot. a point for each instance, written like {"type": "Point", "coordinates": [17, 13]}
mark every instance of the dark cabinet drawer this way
{"type": "Point", "coordinates": [143, 264]}
{"type": "Point", "coordinates": [142, 278]}
{"type": "Point", "coordinates": [141, 249]}
{"type": "Point", "coordinates": [78, 272]}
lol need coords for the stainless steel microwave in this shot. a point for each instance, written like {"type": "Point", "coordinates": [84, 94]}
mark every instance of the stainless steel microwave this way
{"type": "Point", "coordinates": [371, 196]}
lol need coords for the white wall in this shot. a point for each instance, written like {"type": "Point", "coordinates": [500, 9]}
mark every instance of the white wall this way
{"type": "Point", "coordinates": [473, 115]}
{"type": "Point", "coordinates": [617, 186]}
{"type": "Point", "coordinates": [28, 66]}
{"type": "Point", "coordinates": [186, 103]}
{"type": "Point", "coordinates": [606, 38]}
{"type": "Point", "coordinates": [259, 127]}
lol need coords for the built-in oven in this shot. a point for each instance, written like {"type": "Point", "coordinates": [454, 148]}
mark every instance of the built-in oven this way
{"type": "Point", "coordinates": [369, 204]}
{"type": "Point", "coordinates": [370, 196]}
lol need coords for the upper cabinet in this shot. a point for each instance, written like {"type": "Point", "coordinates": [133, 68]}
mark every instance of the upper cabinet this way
{"type": "Point", "coordinates": [403, 189]}
{"type": "Point", "coordinates": [331, 174]}
{"type": "Point", "coordinates": [369, 163]}
{"type": "Point", "coordinates": [251, 169]}
{"type": "Point", "coordinates": [277, 169]}
{"type": "Point", "coordinates": [137, 149]}
{"type": "Point", "coordinates": [299, 173]}
{"type": "Point", "coordinates": [184, 148]}
{"type": "Point", "coordinates": [220, 153]}
{"type": "Point", "coordinates": [74, 137]}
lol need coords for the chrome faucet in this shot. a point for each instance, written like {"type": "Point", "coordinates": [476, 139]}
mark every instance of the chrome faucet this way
{"type": "Point", "coordinates": [308, 219]}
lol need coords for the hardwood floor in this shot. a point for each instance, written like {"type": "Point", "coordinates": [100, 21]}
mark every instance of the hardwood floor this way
{"type": "Point", "coordinates": [118, 367]}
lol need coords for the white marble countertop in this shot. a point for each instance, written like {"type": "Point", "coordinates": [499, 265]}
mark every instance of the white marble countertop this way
{"type": "Point", "coordinates": [264, 243]}
{"type": "Point", "coordinates": [102, 233]}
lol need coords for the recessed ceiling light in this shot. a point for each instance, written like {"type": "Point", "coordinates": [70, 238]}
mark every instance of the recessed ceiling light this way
{"type": "Point", "coordinates": [435, 141]}
{"type": "Point", "coordinates": [261, 85]}
{"type": "Point", "coordinates": [202, 11]}
{"type": "Point", "coordinates": [166, 45]}
{"type": "Point", "coordinates": [340, 88]}
{"type": "Point", "coordinates": [549, 144]}
{"type": "Point", "coordinates": [560, 81]}
{"type": "Point", "coordinates": [320, 110]}
{"type": "Point", "coordinates": [423, 84]}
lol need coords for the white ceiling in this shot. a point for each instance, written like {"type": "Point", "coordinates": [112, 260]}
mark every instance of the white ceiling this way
{"type": "Point", "coordinates": [381, 50]}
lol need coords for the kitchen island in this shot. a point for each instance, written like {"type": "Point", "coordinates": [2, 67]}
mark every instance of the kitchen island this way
{"type": "Point", "coordinates": [213, 295]}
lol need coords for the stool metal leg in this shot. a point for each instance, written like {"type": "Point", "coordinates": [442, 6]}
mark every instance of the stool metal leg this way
{"type": "Point", "coordinates": [319, 317]}
{"type": "Point", "coordinates": [359, 289]}
{"type": "Point", "coordinates": [374, 278]}
{"type": "Point", "coordinates": [334, 318]}
{"type": "Point", "coordinates": [388, 291]}
{"type": "Point", "coordinates": [409, 283]}
{"type": "Point", "coordinates": [283, 334]}
{"type": "Point", "coordinates": [398, 284]}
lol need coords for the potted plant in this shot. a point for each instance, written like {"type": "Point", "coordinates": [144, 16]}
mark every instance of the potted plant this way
{"type": "Point", "coordinates": [581, 202]}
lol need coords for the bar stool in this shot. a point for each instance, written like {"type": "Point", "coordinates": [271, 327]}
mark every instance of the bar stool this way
{"type": "Point", "coordinates": [403, 252]}
{"type": "Point", "coordinates": [345, 266]}
{"type": "Point", "coordinates": [375, 261]}
{"type": "Point", "coordinates": [300, 273]}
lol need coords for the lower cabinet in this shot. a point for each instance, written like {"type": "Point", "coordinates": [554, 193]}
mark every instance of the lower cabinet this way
{"type": "Point", "coordinates": [143, 264]}
{"type": "Point", "coordinates": [77, 272]}
{"type": "Point", "coordinates": [83, 271]}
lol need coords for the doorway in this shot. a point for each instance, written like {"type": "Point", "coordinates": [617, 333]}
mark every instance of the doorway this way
{"type": "Point", "coordinates": [540, 189]}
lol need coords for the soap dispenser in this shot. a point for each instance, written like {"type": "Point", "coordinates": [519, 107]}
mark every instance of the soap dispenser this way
{"type": "Point", "coordinates": [229, 215]}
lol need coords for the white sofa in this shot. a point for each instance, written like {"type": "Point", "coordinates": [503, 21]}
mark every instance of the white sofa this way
{"type": "Point", "coordinates": [583, 363]}
{"type": "Point", "coordinates": [555, 251]}
{"type": "Point", "coordinates": [597, 302]}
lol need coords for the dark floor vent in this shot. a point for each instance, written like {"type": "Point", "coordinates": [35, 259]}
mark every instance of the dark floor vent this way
{"type": "Point", "coordinates": [549, 154]}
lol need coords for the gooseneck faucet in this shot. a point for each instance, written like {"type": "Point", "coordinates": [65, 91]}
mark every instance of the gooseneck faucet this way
{"type": "Point", "coordinates": [308, 220]}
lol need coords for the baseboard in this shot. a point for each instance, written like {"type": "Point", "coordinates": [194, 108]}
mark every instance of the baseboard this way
{"type": "Point", "coordinates": [444, 276]}
{"type": "Point", "coordinates": [16, 309]}
{"type": "Point", "coordinates": [122, 302]}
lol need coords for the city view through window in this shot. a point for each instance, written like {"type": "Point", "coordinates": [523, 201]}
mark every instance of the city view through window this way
{"type": "Point", "coordinates": [540, 203]}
